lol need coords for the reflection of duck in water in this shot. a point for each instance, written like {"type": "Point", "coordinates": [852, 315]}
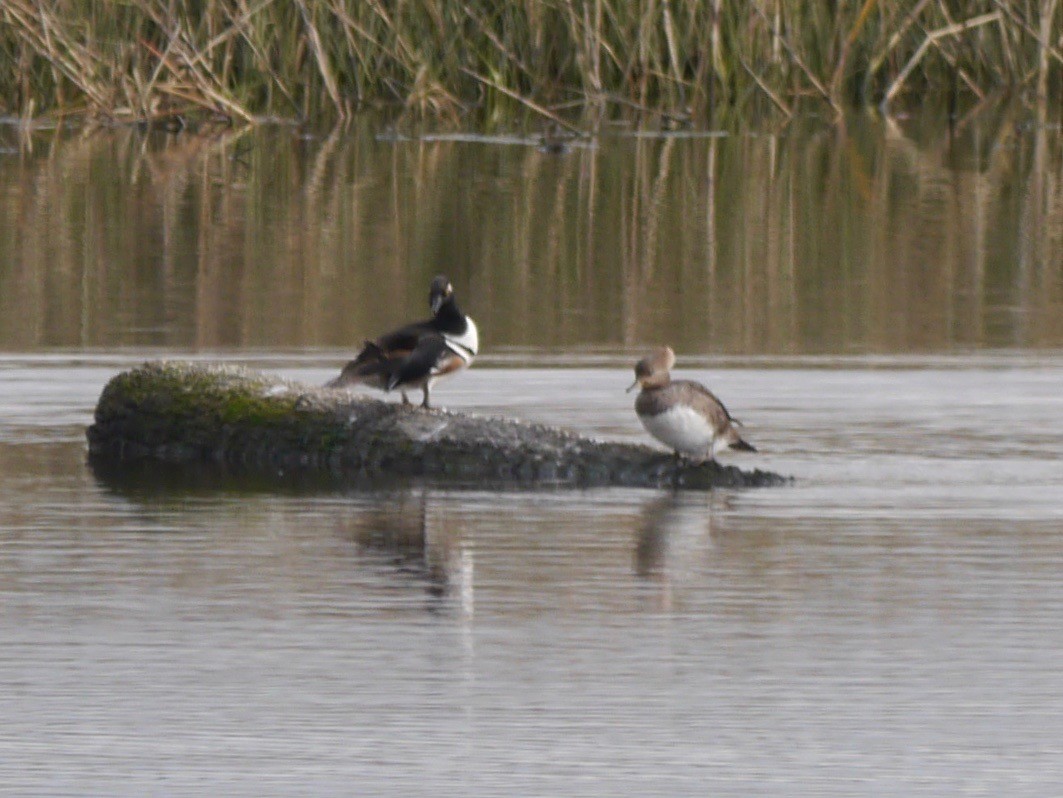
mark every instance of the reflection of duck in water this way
{"type": "Point", "coordinates": [682, 414]}
{"type": "Point", "coordinates": [400, 530]}
{"type": "Point", "coordinates": [554, 140]}
{"type": "Point", "coordinates": [671, 526]}
{"type": "Point", "coordinates": [416, 355]}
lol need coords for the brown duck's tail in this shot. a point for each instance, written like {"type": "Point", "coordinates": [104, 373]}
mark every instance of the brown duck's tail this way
{"type": "Point", "coordinates": [740, 445]}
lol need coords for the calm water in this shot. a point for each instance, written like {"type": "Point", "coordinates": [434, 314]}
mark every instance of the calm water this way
{"type": "Point", "coordinates": [888, 324]}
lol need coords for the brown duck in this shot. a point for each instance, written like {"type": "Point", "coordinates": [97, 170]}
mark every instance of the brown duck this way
{"type": "Point", "coordinates": [682, 414]}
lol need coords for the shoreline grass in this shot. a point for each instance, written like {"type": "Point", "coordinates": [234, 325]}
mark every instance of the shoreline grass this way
{"type": "Point", "coordinates": [245, 60]}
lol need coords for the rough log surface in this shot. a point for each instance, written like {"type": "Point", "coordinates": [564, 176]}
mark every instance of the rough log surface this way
{"type": "Point", "coordinates": [187, 413]}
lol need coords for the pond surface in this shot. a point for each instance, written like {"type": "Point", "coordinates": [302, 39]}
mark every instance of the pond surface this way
{"type": "Point", "coordinates": [881, 305]}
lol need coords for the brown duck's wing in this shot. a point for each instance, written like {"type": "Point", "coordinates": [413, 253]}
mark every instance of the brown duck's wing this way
{"type": "Point", "coordinates": [704, 401]}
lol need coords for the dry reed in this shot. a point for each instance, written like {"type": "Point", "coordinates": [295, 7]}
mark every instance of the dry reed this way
{"type": "Point", "coordinates": [314, 59]}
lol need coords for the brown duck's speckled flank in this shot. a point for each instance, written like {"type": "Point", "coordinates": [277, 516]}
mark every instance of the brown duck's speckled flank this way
{"type": "Point", "coordinates": [660, 399]}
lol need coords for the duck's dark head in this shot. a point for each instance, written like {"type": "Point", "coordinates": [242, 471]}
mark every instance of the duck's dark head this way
{"type": "Point", "coordinates": [439, 293]}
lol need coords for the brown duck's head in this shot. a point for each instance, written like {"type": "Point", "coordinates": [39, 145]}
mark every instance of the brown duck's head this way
{"type": "Point", "coordinates": [652, 370]}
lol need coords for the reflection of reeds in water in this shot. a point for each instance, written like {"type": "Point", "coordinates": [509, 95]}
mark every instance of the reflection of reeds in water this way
{"type": "Point", "coordinates": [872, 236]}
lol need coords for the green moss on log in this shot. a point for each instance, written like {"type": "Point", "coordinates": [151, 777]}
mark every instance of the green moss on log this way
{"type": "Point", "coordinates": [189, 413]}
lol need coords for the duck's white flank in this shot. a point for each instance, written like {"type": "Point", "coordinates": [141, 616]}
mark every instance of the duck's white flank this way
{"type": "Point", "coordinates": [467, 344]}
{"type": "Point", "coordinates": [684, 429]}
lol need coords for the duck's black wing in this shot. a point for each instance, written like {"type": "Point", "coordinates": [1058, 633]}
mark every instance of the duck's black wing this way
{"type": "Point", "coordinates": [395, 344]}
{"type": "Point", "coordinates": [377, 360]}
{"type": "Point", "coordinates": [402, 340]}
{"type": "Point", "coordinates": [428, 357]}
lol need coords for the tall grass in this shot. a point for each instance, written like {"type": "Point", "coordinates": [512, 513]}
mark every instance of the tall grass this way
{"type": "Point", "coordinates": [306, 59]}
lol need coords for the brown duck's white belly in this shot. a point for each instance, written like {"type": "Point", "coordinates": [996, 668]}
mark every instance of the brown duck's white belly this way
{"type": "Point", "coordinates": [681, 428]}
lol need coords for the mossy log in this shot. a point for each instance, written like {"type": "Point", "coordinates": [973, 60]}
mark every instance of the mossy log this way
{"type": "Point", "coordinates": [186, 413]}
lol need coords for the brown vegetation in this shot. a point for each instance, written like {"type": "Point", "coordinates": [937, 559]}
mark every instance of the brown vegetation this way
{"type": "Point", "coordinates": [247, 59]}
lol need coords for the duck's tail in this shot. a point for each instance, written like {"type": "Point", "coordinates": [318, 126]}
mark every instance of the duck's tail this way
{"type": "Point", "coordinates": [369, 361]}
{"type": "Point", "coordinates": [738, 444]}
{"type": "Point", "coordinates": [345, 380]}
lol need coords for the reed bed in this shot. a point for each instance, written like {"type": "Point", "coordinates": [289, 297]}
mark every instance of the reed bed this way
{"type": "Point", "coordinates": [247, 60]}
